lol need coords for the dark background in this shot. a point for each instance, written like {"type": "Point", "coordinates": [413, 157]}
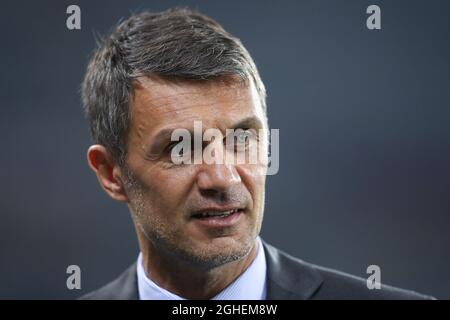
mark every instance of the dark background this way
{"type": "Point", "coordinates": [364, 126]}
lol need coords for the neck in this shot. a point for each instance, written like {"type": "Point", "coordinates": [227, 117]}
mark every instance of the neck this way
{"type": "Point", "coordinates": [188, 281]}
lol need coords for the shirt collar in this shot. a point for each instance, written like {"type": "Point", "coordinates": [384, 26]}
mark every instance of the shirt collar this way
{"type": "Point", "coordinates": [250, 285]}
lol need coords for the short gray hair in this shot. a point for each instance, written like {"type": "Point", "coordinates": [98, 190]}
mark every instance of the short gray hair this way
{"type": "Point", "coordinates": [177, 44]}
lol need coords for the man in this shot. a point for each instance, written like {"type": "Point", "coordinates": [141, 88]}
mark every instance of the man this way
{"type": "Point", "coordinates": [197, 223]}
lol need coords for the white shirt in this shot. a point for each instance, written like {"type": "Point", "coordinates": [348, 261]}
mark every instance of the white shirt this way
{"type": "Point", "coordinates": [250, 285]}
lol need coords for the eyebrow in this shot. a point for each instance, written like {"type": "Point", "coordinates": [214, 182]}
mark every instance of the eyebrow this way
{"type": "Point", "coordinates": [164, 135]}
{"type": "Point", "coordinates": [252, 122]}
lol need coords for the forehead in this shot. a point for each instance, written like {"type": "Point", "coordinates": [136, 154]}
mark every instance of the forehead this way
{"type": "Point", "coordinates": [159, 103]}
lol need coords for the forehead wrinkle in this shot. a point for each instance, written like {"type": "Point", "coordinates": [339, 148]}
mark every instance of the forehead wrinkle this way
{"type": "Point", "coordinates": [151, 87]}
{"type": "Point", "coordinates": [168, 98]}
{"type": "Point", "coordinates": [179, 104]}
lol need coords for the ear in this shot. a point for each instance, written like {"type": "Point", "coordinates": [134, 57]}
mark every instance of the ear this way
{"type": "Point", "coordinates": [108, 173]}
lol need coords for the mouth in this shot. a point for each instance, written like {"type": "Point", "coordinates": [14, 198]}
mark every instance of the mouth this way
{"type": "Point", "coordinates": [215, 213]}
{"type": "Point", "coordinates": [218, 218]}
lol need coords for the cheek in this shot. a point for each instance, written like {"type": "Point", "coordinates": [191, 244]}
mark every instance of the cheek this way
{"type": "Point", "coordinates": [168, 189]}
{"type": "Point", "coordinates": [254, 178]}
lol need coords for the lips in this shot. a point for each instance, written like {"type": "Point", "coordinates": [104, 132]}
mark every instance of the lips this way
{"type": "Point", "coordinates": [215, 213]}
{"type": "Point", "coordinates": [218, 219]}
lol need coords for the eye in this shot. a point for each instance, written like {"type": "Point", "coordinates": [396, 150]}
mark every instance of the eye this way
{"type": "Point", "coordinates": [170, 146]}
{"type": "Point", "coordinates": [179, 152]}
{"type": "Point", "coordinates": [242, 138]}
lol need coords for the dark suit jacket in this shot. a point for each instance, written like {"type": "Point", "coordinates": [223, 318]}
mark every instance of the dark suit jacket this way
{"type": "Point", "coordinates": [287, 278]}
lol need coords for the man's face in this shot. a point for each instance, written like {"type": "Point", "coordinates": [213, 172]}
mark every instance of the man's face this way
{"type": "Point", "coordinates": [168, 200]}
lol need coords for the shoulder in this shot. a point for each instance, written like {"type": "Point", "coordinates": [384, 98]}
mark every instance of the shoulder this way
{"type": "Point", "coordinates": [122, 288]}
{"type": "Point", "coordinates": [340, 285]}
{"type": "Point", "coordinates": [292, 278]}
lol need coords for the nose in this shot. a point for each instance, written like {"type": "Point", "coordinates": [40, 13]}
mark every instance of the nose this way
{"type": "Point", "coordinates": [217, 178]}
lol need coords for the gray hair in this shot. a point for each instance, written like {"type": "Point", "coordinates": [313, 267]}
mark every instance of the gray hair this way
{"type": "Point", "coordinates": [178, 44]}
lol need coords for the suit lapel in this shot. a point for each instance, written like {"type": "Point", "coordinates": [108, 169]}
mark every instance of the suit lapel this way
{"type": "Point", "coordinates": [125, 287]}
{"type": "Point", "coordinates": [289, 278]}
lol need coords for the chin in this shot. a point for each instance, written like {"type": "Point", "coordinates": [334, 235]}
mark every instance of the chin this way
{"type": "Point", "coordinates": [227, 249]}
{"type": "Point", "coordinates": [215, 252]}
